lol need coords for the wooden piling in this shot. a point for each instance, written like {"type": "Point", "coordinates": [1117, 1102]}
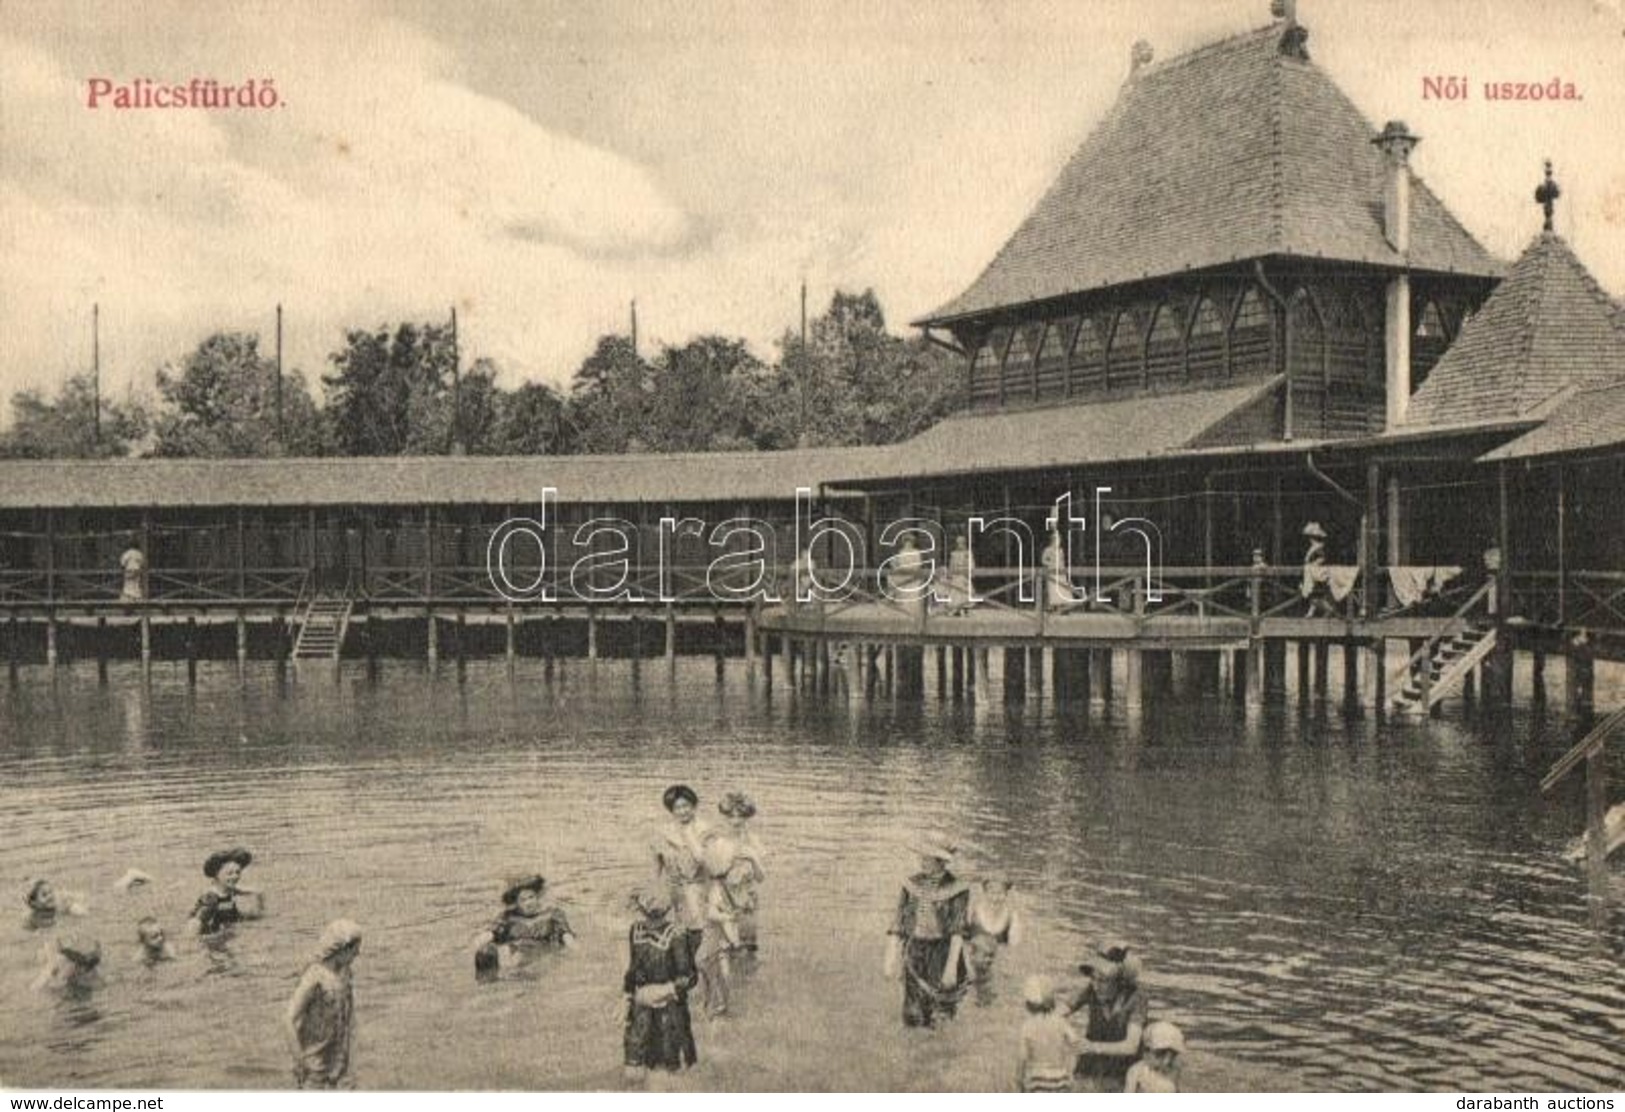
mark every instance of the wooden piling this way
{"type": "Point", "coordinates": [1582, 685]}
{"type": "Point", "coordinates": [1537, 678]}
{"type": "Point", "coordinates": [1133, 679]}
{"type": "Point", "coordinates": [432, 636]}
{"type": "Point", "coordinates": [146, 640]}
{"type": "Point", "coordinates": [1323, 653]}
{"type": "Point", "coordinates": [191, 650]}
{"type": "Point", "coordinates": [592, 633]}
{"type": "Point", "coordinates": [509, 636]}
{"type": "Point", "coordinates": [242, 639]}
{"type": "Point", "coordinates": [50, 640]}
{"type": "Point", "coordinates": [101, 649]}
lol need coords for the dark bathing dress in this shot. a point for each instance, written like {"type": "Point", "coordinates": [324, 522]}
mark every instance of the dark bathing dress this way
{"type": "Point", "coordinates": [214, 912]}
{"type": "Point", "coordinates": [929, 915]}
{"type": "Point", "coordinates": [663, 1037]}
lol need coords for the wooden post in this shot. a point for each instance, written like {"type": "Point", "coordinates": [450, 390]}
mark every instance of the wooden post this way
{"type": "Point", "coordinates": [242, 557]}
{"type": "Point", "coordinates": [101, 649]}
{"type": "Point", "coordinates": [1351, 679]}
{"type": "Point", "coordinates": [508, 646]}
{"type": "Point", "coordinates": [1599, 880]}
{"type": "Point", "coordinates": [12, 647]}
{"type": "Point", "coordinates": [1133, 679]}
{"type": "Point", "coordinates": [942, 671]}
{"type": "Point", "coordinates": [191, 650]}
{"type": "Point", "coordinates": [1256, 656]}
{"type": "Point", "coordinates": [242, 638]}
{"type": "Point", "coordinates": [1015, 674]}
{"type": "Point", "coordinates": [433, 638]}
{"type": "Point", "coordinates": [1303, 672]}
{"type": "Point", "coordinates": [146, 640]}
{"type": "Point", "coordinates": [592, 632]}
{"type": "Point", "coordinates": [1537, 678]}
{"type": "Point", "coordinates": [1377, 674]}
{"type": "Point", "coordinates": [767, 662]}
{"type": "Point", "coordinates": [50, 639]}
{"type": "Point", "coordinates": [750, 640]}
{"type": "Point", "coordinates": [959, 672]}
{"type": "Point", "coordinates": [1323, 652]}
{"type": "Point", "coordinates": [1103, 666]}
{"type": "Point", "coordinates": [1581, 683]}
{"type": "Point", "coordinates": [671, 636]}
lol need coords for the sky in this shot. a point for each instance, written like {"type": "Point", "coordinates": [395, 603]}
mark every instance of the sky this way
{"type": "Point", "coordinates": [540, 165]}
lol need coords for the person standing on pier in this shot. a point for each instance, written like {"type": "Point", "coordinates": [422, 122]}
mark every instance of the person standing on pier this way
{"type": "Point", "coordinates": [927, 942]}
{"type": "Point", "coordinates": [134, 565]}
{"type": "Point", "coordinates": [679, 852]}
{"type": "Point", "coordinates": [1055, 584]}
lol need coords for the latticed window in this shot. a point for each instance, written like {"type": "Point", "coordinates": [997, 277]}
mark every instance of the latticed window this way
{"type": "Point", "coordinates": [1088, 358]}
{"type": "Point", "coordinates": [1123, 351]}
{"type": "Point", "coordinates": [1165, 346]}
{"type": "Point", "coordinates": [985, 369]}
{"type": "Point", "coordinates": [1306, 363]}
{"type": "Point", "coordinates": [1052, 357]}
{"type": "Point", "coordinates": [1020, 362]}
{"type": "Point", "coordinates": [1250, 336]}
{"type": "Point", "coordinates": [1429, 339]}
{"type": "Point", "coordinates": [1205, 349]}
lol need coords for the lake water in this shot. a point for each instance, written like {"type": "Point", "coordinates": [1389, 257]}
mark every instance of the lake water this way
{"type": "Point", "coordinates": [1320, 904]}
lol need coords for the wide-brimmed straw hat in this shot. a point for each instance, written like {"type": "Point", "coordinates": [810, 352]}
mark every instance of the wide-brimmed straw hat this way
{"type": "Point", "coordinates": [336, 936]}
{"type": "Point", "coordinates": [1162, 1035]}
{"type": "Point", "coordinates": [1313, 529]}
{"type": "Point", "coordinates": [1113, 952]}
{"type": "Point", "coordinates": [737, 805]}
{"type": "Point", "coordinates": [530, 882]}
{"type": "Point", "coordinates": [216, 861]}
{"type": "Point", "coordinates": [1038, 991]}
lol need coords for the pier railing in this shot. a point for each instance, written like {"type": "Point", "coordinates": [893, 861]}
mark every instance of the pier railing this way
{"type": "Point", "coordinates": [1588, 599]}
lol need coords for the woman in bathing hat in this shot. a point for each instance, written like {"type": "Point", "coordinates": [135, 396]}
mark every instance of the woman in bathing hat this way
{"type": "Point", "coordinates": [320, 1020]}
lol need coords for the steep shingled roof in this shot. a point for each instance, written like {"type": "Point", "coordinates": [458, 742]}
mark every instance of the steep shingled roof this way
{"type": "Point", "coordinates": [1589, 420]}
{"type": "Point", "coordinates": [1548, 327]}
{"type": "Point", "coordinates": [1233, 151]}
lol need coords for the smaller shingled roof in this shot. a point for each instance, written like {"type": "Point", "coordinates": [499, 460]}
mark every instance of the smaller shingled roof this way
{"type": "Point", "coordinates": [1589, 420]}
{"type": "Point", "coordinates": [1062, 436]}
{"type": "Point", "coordinates": [1547, 328]}
{"type": "Point", "coordinates": [426, 480]}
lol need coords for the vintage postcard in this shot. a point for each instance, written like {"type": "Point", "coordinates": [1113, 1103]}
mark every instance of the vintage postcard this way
{"type": "Point", "coordinates": [891, 546]}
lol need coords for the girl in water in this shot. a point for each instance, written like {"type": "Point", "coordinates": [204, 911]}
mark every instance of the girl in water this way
{"type": "Point", "coordinates": [226, 902]}
{"type": "Point", "coordinates": [320, 1021]}
{"type": "Point", "coordinates": [659, 973]}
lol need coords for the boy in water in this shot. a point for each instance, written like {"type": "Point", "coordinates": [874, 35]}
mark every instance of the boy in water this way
{"type": "Point", "coordinates": [71, 967]}
{"type": "Point", "coordinates": [527, 924]}
{"type": "Point", "coordinates": [993, 923]}
{"type": "Point", "coordinates": [320, 1022]}
{"type": "Point", "coordinates": [45, 905]}
{"type": "Point", "coordinates": [1158, 1071]}
{"type": "Point", "coordinates": [155, 945]}
{"type": "Point", "coordinates": [1049, 1045]}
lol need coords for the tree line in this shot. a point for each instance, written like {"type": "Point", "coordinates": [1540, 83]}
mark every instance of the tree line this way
{"type": "Point", "coordinates": [397, 390]}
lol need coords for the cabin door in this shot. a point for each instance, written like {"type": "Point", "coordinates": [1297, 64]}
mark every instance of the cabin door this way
{"type": "Point", "coordinates": [339, 551]}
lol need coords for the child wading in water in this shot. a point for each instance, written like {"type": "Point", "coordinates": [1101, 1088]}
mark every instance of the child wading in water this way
{"type": "Point", "coordinates": [46, 905]}
{"type": "Point", "coordinates": [71, 967]}
{"type": "Point", "coordinates": [730, 902]}
{"type": "Point", "coordinates": [320, 1021]}
{"type": "Point", "coordinates": [155, 945]}
{"type": "Point", "coordinates": [659, 973]}
{"type": "Point", "coordinates": [1158, 1071]}
{"type": "Point", "coordinates": [1049, 1045]}
{"type": "Point", "coordinates": [527, 925]}
{"type": "Point", "coordinates": [227, 901]}
{"type": "Point", "coordinates": [993, 923]}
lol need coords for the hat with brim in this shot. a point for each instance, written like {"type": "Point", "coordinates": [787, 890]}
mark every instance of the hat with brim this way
{"type": "Point", "coordinates": [31, 888]}
{"type": "Point", "coordinates": [533, 882]}
{"type": "Point", "coordinates": [1113, 953]}
{"type": "Point", "coordinates": [337, 935]}
{"type": "Point", "coordinates": [928, 846]}
{"type": "Point", "coordinates": [217, 861]}
{"type": "Point", "coordinates": [1313, 529]}
{"type": "Point", "coordinates": [652, 899]}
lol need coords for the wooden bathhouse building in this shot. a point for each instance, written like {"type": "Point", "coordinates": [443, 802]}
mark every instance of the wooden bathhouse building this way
{"type": "Point", "coordinates": [1295, 400]}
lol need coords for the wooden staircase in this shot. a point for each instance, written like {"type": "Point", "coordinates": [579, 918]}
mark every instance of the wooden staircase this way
{"type": "Point", "coordinates": [322, 625]}
{"type": "Point", "coordinates": [1445, 664]}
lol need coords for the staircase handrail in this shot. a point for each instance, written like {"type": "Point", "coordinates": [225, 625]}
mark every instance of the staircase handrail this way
{"type": "Point", "coordinates": [1582, 749]}
{"type": "Point", "coordinates": [1426, 651]}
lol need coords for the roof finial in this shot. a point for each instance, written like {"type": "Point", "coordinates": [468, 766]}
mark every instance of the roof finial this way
{"type": "Point", "coordinates": [1285, 10]}
{"type": "Point", "coordinates": [1294, 42]}
{"type": "Point", "coordinates": [1547, 193]}
{"type": "Point", "coordinates": [1139, 57]}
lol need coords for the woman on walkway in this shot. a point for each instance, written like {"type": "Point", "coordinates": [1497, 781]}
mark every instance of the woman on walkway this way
{"type": "Point", "coordinates": [928, 936]}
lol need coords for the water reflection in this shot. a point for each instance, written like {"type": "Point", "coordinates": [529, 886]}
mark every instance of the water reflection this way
{"type": "Point", "coordinates": [1320, 902]}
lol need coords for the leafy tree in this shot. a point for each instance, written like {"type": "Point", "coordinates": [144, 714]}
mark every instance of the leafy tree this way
{"type": "Point", "coordinates": [533, 421]}
{"type": "Point", "coordinates": [66, 428]}
{"type": "Point", "coordinates": [384, 395]}
{"type": "Point", "coordinates": [609, 399]}
{"type": "Point", "coordinates": [223, 402]}
{"type": "Point", "coordinates": [702, 397]}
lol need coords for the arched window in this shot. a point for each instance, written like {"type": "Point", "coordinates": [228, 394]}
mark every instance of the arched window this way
{"type": "Point", "coordinates": [1123, 351]}
{"type": "Point", "coordinates": [985, 370]}
{"type": "Point", "coordinates": [1250, 336]}
{"type": "Point", "coordinates": [1052, 357]}
{"type": "Point", "coordinates": [1019, 363]}
{"type": "Point", "coordinates": [1204, 349]}
{"type": "Point", "coordinates": [1088, 358]}
{"type": "Point", "coordinates": [1165, 346]}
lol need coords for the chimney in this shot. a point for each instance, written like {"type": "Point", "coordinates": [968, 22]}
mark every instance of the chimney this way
{"type": "Point", "coordinates": [1139, 57]}
{"type": "Point", "coordinates": [1396, 143]}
